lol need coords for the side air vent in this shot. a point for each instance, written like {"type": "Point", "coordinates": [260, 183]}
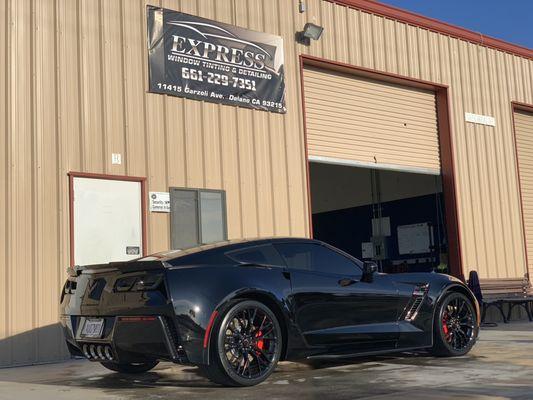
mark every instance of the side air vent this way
{"type": "Point", "coordinates": [419, 294]}
{"type": "Point", "coordinates": [171, 338]}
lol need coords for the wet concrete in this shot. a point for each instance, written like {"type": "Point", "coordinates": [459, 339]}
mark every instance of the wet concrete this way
{"type": "Point", "coordinates": [499, 367]}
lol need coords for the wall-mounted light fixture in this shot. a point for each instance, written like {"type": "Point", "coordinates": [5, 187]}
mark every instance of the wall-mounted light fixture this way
{"type": "Point", "coordinates": [310, 31]}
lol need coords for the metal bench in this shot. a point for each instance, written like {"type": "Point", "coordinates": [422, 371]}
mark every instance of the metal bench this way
{"type": "Point", "coordinates": [498, 293]}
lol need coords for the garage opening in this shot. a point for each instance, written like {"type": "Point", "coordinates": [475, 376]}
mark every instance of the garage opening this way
{"type": "Point", "coordinates": [375, 169]}
{"type": "Point", "coordinates": [391, 217]}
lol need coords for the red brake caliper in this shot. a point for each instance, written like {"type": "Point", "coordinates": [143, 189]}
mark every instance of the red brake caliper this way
{"type": "Point", "coordinates": [260, 342]}
{"type": "Point", "coordinates": [445, 325]}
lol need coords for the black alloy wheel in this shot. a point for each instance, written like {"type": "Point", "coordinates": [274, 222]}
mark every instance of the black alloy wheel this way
{"type": "Point", "coordinates": [456, 326]}
{"type": "Point", "coordinates": [248, 345]}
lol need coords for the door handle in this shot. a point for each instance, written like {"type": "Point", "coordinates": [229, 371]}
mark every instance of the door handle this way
{"type": "Point", "coordinates": [347, 282]}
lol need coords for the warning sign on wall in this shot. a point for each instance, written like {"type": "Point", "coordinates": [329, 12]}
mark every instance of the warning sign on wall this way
{"type": "Point", "coordinates": [160, 202]}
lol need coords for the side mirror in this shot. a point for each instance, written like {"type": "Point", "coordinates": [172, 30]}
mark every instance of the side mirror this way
{"type": "Point", "coordinates": [369, 269]}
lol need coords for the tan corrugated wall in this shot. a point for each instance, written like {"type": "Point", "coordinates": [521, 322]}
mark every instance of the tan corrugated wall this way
{"type": "Point", "coordinates": [355, 118]}
{"type": "Point", "coordinates": [523, 123]}
{"type": "Point", "coordinates": [73, 90]}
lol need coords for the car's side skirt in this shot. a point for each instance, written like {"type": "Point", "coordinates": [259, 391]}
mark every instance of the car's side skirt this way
{"type": "Point", "coordinates": [366, 353]}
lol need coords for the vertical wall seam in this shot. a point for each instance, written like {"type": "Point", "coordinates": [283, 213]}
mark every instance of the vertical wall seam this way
{"type": "Point", "coordinates": [477, 104]}
{"type": "Point", "coordinates": [7, 123]}
{"type": "Point", "coordinates": [81, 105]}
{"type": "Point", "coordinates": [269, 140]}
{"type": "Point", "coordinates": [125, 126]}
{"type": "Point", "coordinates": [254, 118]}
{"type": "Point", "coordinates": [143, 16]}
{"type": "Point", "coordinates": [58, 155]}
{"type": "Point", "coordinates": [103, 120]}
{"type": "Point", "coordinates": [9, 171]}
{"type": "Point", "coordinates": [35, 164]}
{"type": "Point", "coordinates": [491, 61]}
{"type": "Point", "coordinates": [286, 160]}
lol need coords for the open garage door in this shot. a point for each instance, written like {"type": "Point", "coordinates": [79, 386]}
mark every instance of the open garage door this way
{"type": "Point", "coordinates": [359, 121]}
{"type": "Point", "coordinates": [375, 170]}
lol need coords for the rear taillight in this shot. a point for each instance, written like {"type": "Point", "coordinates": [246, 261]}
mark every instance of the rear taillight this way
{"type": "Point", "coordinates": [68, 288]}
{"type": "Point", "coordinates": [139, 283]}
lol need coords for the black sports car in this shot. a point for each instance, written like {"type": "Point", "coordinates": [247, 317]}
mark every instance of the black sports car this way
{"type": "Point", "coordinates": [236, 308]}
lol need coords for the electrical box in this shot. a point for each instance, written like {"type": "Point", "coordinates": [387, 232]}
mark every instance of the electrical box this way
{"type": "Point", "coordinates": [380, 245]}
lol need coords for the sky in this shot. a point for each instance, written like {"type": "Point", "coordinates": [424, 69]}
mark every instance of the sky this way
{"type": "Point", "coordinates": [509, 20]}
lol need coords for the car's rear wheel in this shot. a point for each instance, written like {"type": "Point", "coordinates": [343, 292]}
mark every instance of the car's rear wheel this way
{"type": "Point", "coordinates": [245, 345]}
{"type": "Point", "coordinates": [130, 368]}
{"type": "Point", "coordinates": [455, 327]}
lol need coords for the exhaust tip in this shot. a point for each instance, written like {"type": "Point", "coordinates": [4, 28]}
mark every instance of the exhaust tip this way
{"type": "Point", "coordinates": [92, 349]}
{"type": "Point", "coordinates": [108, 353]}
{"type": "Point", "coordinates": [85, 350]}
{"type": "Point", "coordinates": [100, 352]}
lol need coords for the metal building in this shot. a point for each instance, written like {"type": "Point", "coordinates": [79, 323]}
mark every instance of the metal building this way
{"type": "Point", "coordinates": [382, 89]}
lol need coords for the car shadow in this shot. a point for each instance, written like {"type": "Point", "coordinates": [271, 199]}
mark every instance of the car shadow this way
{"type": "Point", "coordinates": [165, 376]}
{"type": "Point", "coordinates": [168, 375]}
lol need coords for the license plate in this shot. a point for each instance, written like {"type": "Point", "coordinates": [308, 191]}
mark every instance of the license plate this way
{"type": "Point", "coordinates": [93, 328]}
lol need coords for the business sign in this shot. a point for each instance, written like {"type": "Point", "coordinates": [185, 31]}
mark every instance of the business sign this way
{"type": "Point", "coordinates": [159, 202]}
{"type": "Point", "coordinates": [200, 59]}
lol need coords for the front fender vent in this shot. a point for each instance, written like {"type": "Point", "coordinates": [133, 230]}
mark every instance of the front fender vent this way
{"type": "Point", "coordinates": [419, 294]}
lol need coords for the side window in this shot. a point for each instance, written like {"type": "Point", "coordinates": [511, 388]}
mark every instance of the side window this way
{"type": "Point", "coordinates": [296, 255]}
{"type": "Point", "coordinates": [314, 257]}
{"type": "Point", "coordinates": [197, 217]}
{"type": "Point", "coordinates": [264, 254]}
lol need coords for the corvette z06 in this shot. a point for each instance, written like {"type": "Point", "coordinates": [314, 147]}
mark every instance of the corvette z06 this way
{"type": "Point", "coordinates": [237, 308]}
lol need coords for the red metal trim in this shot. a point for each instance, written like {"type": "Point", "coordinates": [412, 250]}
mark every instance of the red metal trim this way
{"type": "Point", "coordinates": [522, 106]}
{"type": "Point", "coordinates": [209, 327]}
{"type": "Point", "coordinates": [306, 149]}
{"type": "Point", "coordinates": [140, 179]}
{"type": "Point", "coordinates": [448, 183]}
{"type": "Point", "coordinates": [529, 108]}
{"type": "Point", "coordinates": [435, 25]}
{"type": "Point", "coordinates": [445, 143]}
{"type": "Point", "coordinates": [371, 73]}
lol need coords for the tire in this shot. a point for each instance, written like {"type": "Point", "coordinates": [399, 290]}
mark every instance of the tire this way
{"type": "Point", "coordinates": [455, 327]}
{"type": "Point", "coordinates": [136, 368]}
{"type": "Point", "coordinates": [245, 344]}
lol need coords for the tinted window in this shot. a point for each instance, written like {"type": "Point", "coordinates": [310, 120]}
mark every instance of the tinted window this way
{"type": "Point", "coordinates": [197, 217]}
{"type": "Point", "coordinates": [265, 254]}
{"type": "Point", "coordinates": [184, 218]}
{"type": "Point", "coordinates": [212, 217]}
{"type": "Point", "coordinates": [314, 257]}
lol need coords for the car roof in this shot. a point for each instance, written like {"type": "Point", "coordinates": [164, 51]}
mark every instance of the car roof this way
{"type": "Point", "coordinates": [225, 245]}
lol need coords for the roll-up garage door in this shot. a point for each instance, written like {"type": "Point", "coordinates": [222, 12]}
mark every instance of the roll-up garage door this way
{"type": "Point", "coordinates": [360, 121]}
{"type": "Point", "coordinates": [524, 148]}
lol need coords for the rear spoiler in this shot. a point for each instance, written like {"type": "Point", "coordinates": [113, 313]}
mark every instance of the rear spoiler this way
{"type": "Point", "coordinates": [122, 266]}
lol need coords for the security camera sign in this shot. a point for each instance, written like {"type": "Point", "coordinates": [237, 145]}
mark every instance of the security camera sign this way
{"type": "Point", "coordinates": [201, 59]}
{"type": "Point", "coordinates": [159, 202]}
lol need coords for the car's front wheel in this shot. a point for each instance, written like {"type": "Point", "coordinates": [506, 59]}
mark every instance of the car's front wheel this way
{"type": "Point", "coordinates": [130, 368]}
{"type": "Point", "coordinates": [245, 345]}
{"type": "Point", "coordinates": [455, 327]}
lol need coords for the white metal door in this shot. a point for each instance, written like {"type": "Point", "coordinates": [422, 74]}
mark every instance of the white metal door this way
{"type": "Point", "coordinates": [107, 220]}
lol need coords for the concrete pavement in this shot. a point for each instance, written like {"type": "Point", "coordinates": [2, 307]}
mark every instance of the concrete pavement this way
{"type": "Point", "coordinates": [499, 367]}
